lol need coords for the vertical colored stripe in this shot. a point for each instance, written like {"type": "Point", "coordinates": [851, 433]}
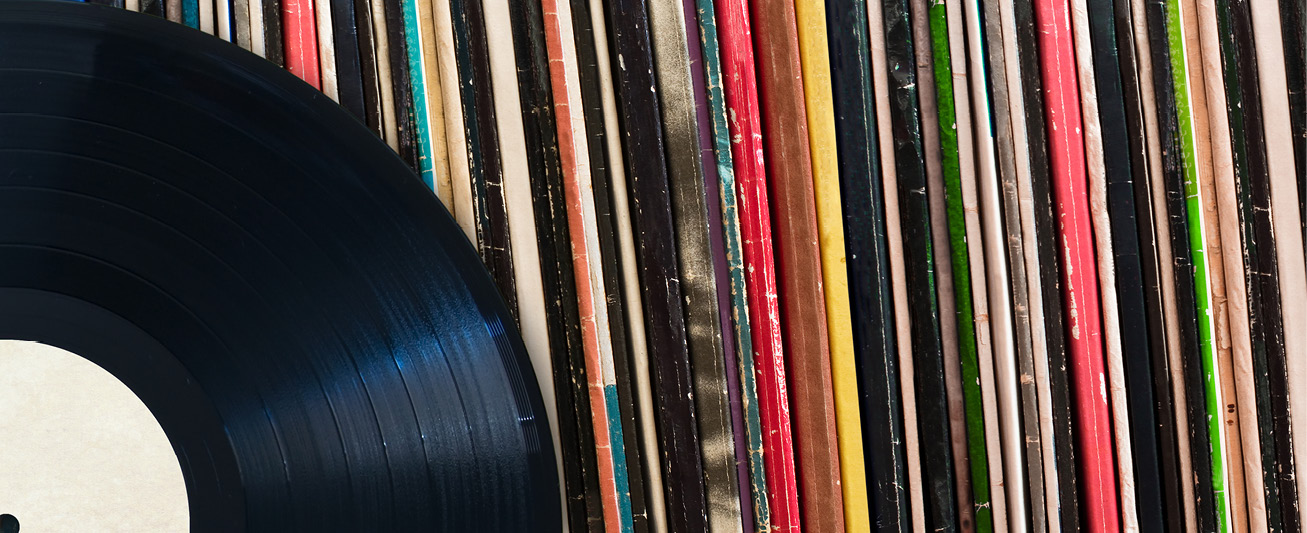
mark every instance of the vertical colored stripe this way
{"type": "Point", "coordinates": [417, 84]}
{"type": "Point", "coordinates": [735, 252]}
{"type": "Point", "coordinates": [1198, 247]}
{"type": "Point", "coordinates": [301, 40]}
{"type": "Point", "coordinates": [948, 135]}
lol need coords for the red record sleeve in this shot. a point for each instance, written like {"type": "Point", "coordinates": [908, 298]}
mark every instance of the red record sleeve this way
{"type": "Point", "coordinates": [755, 220]}
{"type": "Point", "coordinates": [300, 38]}
{"type": "Point", "coordinates": [1079, 271]}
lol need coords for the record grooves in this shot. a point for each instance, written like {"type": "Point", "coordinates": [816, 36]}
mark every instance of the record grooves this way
{"type": "Point", "coordinates": [280, 366]}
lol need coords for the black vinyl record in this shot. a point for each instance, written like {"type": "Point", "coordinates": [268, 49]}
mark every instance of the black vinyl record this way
{"type": "Point", "coordinates": [308, 325]}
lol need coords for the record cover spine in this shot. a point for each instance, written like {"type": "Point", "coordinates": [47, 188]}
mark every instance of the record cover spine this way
{"type": "Point", "coordinates": [301, 41]}
{"type": "Point", "coordinates": [798, 259]}
{"type": "Point", "coordinates": [977, 509]}
{"type": "Point", "coordinates": [602, 386]}
{"type": "Point", "coordinates": [815, 56]}
{"type": "Point", "coordinates": [754, 480]}
{"type": "Point", "coordinates": [1066, 155]}
{"type": "Point", "coordinates": [764, 311]}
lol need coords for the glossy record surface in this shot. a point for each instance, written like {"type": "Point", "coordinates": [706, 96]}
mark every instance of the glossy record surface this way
{"type": "Point", "coordinates": [305, 321]}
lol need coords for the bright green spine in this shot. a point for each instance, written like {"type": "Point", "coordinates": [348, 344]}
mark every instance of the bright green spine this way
{"type": "Point", "coordinates": [957, 231]}
{"type": "Point", "coordinates": [1197, 246]}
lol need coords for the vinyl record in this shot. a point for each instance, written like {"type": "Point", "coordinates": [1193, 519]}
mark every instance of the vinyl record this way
{"type": "Point", "coordinates": [240, 23]}
{"type": "Point", "coordinates": [756, 514]}
{"type": "Point", "coordinates": [798, 264]}
{"type": "Point", "coordinates": [954, 120]}
{"type": "Point", "coordinates": [451, 98]}
{"type": "Point", "coordinates": [1293, 16]}
{"type": "Point", "coordinates": [1188, 233]}
{"type": "Point", "coordinates": [300, 377]}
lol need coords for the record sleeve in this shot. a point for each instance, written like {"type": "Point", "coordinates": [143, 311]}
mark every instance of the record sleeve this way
{"type": "Point", "coordinates": [1014, 151]}
{"type": "Point", "coordinates": [1117, 80]}
{"type": "Point", "coordinates": [868, 265]}
{"type": "Point", "coordinates": [580, 481]}
{"type": "Point", "coordinates": [950, 361]}
{"type": "Point", "coordinates": [1157, 258]}
{"type": "Point", "coordinates": [1258, 255]}
{"type": "Point", "coordinates": [630, 270]}
{"type": "Point", "coordinates": [601, 172]}
{"type": "Point", "coordinates": [1185, 381]}
{"type": "Point", "coordinates": [1096, 141]}
{"type": "Point", "coordinates": [299, 34]}
{"type": "Point", "coordinates": [954, 120]}
{"type": "Point", "coordinates": [348, 64]}
{"type": "Point", "coordinates": [815, 55]}
{"type": "Point", "coordinates": [685, 169]}
{"type": "Point", "coordinates": [1067, 158]}
{"type": "Point", "coordinates": [756, 512]}
{"type": "Point", "coordinates": [1185, 208]}
{"type": "Point", "coordinates": [699, 52]}
{"type": "Point", "coordinates": [798, 263]}
{"type": "Point", "coordinates": [930, 421]}
{"type": "Point", "coordinates": [907, 394]}
{"type": "Point", "coordinates": [323, 31]}
{"type": "Point", "coordinates": [1283, 172]}
{"type": "Point", "coordinates": [739, 69]}
{"type": "Point", "coordinates": [646, 170]}
{"type": "Point", "coordinates": [532, 316]}
{"type": "Point", "coordinates": [978, 168]}
{"type": "Point", "coordinates": [1052, 379]}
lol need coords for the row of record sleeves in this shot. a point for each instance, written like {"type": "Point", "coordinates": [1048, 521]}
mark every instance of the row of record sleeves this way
{"type": "Point", "coordinates": [903, 265]}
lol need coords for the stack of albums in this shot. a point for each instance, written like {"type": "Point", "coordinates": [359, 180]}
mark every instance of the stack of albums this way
{"type": "Point", "coordinates": [844, 265]}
